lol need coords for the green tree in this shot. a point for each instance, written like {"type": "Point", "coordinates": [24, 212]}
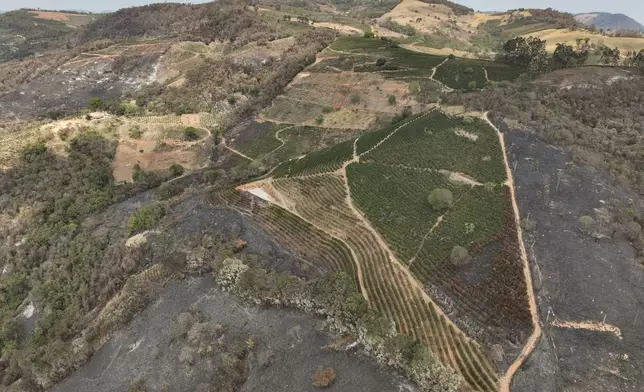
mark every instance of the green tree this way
{"type": "Point", "coordinates": [191, 133]}
{"type": "Point", "coordinates": [610, 56]}
{"type": "Point", "coordinates": [441, 199]}
{"type": "Point", "coordinates": [176, 170]}
{"type": "Point", "coordinates": [391, 99]}
{"type": "Point", "coordinates": [146, 217]}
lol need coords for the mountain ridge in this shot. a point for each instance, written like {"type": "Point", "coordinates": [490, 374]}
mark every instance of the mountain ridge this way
{"type": "Point", "coordinates": [609, 21]}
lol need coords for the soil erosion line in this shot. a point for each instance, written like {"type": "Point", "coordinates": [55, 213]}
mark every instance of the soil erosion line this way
{"type": "Point", "coordinates": [506, 379]}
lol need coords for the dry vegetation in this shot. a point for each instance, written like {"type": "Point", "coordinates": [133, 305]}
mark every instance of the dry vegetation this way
{"type": "Point", "coordinates": [555, 36]}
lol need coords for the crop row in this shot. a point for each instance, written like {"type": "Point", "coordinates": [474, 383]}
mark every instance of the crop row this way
{"type": "Point", "coordinates": [438, 141]}
{"type": "Point", "coordinates": [395, 201]}
{"type": "Point", "coordinates": [323, 161]}
{"type": "Point", "coordinates": [322, 200]}
{"type": "Point", "coordinates": [369, 140]}
{"type": "Point", "coordinates": [291, 231]}
{"type": "Point", "coordinates": [497, 296]}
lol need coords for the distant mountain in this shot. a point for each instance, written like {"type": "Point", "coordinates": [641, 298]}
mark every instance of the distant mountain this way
{"type": "Point", "coordinates": [608, 21]}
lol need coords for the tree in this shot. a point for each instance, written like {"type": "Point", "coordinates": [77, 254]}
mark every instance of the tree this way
{"type": "Point", "coordinates": [635, 60]}
{"type": "Point", "coordinates": [441, 199]}
{"type": "Point", "coordinates": [521, 51]}
{"type": "Point", "coordinates": [176, 170]}
{"type": "Point", "coordinates": [190, 134]}
{"type": "Point", "coordinates": [472, 85]}
{"type": "Point", "coordinates": [391, 99]}
{"type": "Point", "coordinates": [459, 256]}
{"type": "Point", "coordinates": [610, 56]}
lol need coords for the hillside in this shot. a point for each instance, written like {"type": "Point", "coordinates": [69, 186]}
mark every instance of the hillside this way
{"type": "Point", "coordinates": [608, 21]}
{"type": "Point", "coordinates": [365, 195]}
{"type": "Point", "coordinates": [23, 34]}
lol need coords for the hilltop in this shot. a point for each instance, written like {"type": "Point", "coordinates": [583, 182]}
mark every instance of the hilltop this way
{"type": "Point", "coordinates": [608, 21]}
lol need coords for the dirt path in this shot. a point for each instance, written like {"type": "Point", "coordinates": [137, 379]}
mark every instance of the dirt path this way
{"type": "Point", "coordinates": [420, 247]}
{"type": "Point", "coordinates": [506, 379]}
{"type": "Point", "coordinates": [277, 136]}
{"type": "Point", "coordinates": [383, 140]}
{"type": "Point", "coordinates": [223, 143]}
{"type": "Point", "coordinates": [447, 88]}
{"type": "Point", "coordinates": [485, 71]}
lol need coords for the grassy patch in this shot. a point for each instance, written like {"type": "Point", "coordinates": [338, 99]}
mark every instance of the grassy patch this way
{"type": "Point", "coordinates": [433, 143]}
{"type": "Point", "coordinates": [458, 74]}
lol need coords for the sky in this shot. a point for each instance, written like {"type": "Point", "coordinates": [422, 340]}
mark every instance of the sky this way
{"type": "Point", "coordinates": [632, 8]}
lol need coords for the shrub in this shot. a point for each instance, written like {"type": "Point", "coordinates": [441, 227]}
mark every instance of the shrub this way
{"type": "Point", "coordinates": [319, 120]}
{"type": "Point", "coordinates": [323, 378]}
{"type": "Point", "coordinates": [176, 170]}
{"type": "Point", "coordinates": [327, 109]}
{"type": "Point", "coordinates": [472, 85]}
{"type": "Point", "coordinates": [381, 61]}
{"type": "Point", "coordinates": [169, 190]}
{"type": "Point", "coordinates": [586, 223]}
{"type": "Point", "coordinates": [135, 133]}
{"type": "Point", "coordinates": [369, 34]}
{"type": "Point", "coordinates": [190, 134]}
{"type": "Point", "coordinates": [459, 256]}
{"type": "Point", "coordinates": [468, 71]}
{"type": "Point", "coordinates": [441, 199]}
{"type": "Point", "coordinates": [95, 103]}
{"type": "Point", "coordinates": [146, 217]}
{"type": "Point", "coordinates": [391, 99]}
{"type": "Point", "coordinates": [451, 57]}
{"type": "Point", "coordinates": [210, 176]}
{"type": "Point", "coordinates": [232, 99]}
{"type": "Point", "coordinates": [354, 98]}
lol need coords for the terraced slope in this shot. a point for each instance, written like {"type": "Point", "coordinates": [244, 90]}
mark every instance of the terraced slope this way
{"type": "Point", "coordinates": [361, 206]}
{"type": "Point", "coordinates": [387, 285]}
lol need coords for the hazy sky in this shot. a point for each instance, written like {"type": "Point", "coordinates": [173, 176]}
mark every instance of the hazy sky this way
{"type": "Point", "coordinates": [632, 8]}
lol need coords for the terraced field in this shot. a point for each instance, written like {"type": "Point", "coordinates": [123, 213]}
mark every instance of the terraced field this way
{"type": "Point", "coordinates": [361, 206]}
{"type": "Point", "coordinates": [359, 54]}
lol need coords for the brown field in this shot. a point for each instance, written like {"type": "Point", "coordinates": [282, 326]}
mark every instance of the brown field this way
{"type": "Point", "coordinates": [358, 99]}
{"type": "Point", "coordinates": [343, 29]}
{"type": "Point", "coordinates": [71, 20]}
{"type": "Point", "coordinates": [554, 36]}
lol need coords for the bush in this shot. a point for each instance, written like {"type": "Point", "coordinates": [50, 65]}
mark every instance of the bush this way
{"type": "Point", "coordinates": [323, 378]}
{"type": "Point", "coordinates": [472, 85]}
{"type": "Point", "coordinates": [460, 256]}
{"type": "Point", "coordinates": [451, 57]}
{"type": "Point", "coordinates": [381, 61]}
{"type": "Point", "coordinates": [232, 99]}
{"type": "Point", "coordinates": [146, 217]}
{"type": "Point", "coordinates": [169, 190]}
{"type": "Point", "coordinates": [354, 98]}
{"type": "Point", "coordinates": [319, 120]}
{"type": "Point", "coordinates": [191, 134]}
{"type": "Point", "coordinates": [95, 104]}
{"type": "Point", "coordinates": [391, 99]}
{"type": "Point", "coordinates": [135, 133]}
{"type": "Point", "coordinates": [327, 109]}
{"type": "Point", "coordinates": [441, 199]}
{"type": "Point", "coordinates": [210, 176]}
{"type": "Point", "coordinates": [176, 170]}
{"type": "Point", "coordinates": [586, 223]}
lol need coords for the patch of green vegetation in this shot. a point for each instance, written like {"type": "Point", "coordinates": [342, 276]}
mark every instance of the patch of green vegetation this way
{"type": "Point", "coordinates": [440, 142]}
{"type": "Point", "coordinates": [458, 73]}
{"type": "Point", "coordinates": [395, 200]}
{"type": "Point", "coordinates": [323, 161]}
{"type": "Point", "coordinates": [475, 219]}
{"type": "Point", "coordinates": [146, 217]}
{"type": "Point", "coordinates": [369, 140]}
{"type": "Point", "coordinates": [22, 34]}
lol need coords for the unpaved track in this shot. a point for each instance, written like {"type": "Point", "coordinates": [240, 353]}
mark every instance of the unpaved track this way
{"type": "Point", "coordinates": [506, 379]}
{"type": "Point", "coordinates": [277, 136]}
{"type": "Point", "coordinates": [446, 87]}
{"type": "Point", "coordinates": [227, 147]}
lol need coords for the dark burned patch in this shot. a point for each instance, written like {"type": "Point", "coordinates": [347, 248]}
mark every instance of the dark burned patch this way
{"type": "Point", "coordinates": [249, 131]}
{"type": "Point", "coordinates": [582, 277]}
{"type": "Point", "coordinates": [479, 269]}
{"type": "Point", "coordinates": [284, 349]}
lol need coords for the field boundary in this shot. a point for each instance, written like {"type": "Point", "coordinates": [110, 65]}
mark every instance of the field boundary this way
{"type": "Point", "coordinates": [506, 379]}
